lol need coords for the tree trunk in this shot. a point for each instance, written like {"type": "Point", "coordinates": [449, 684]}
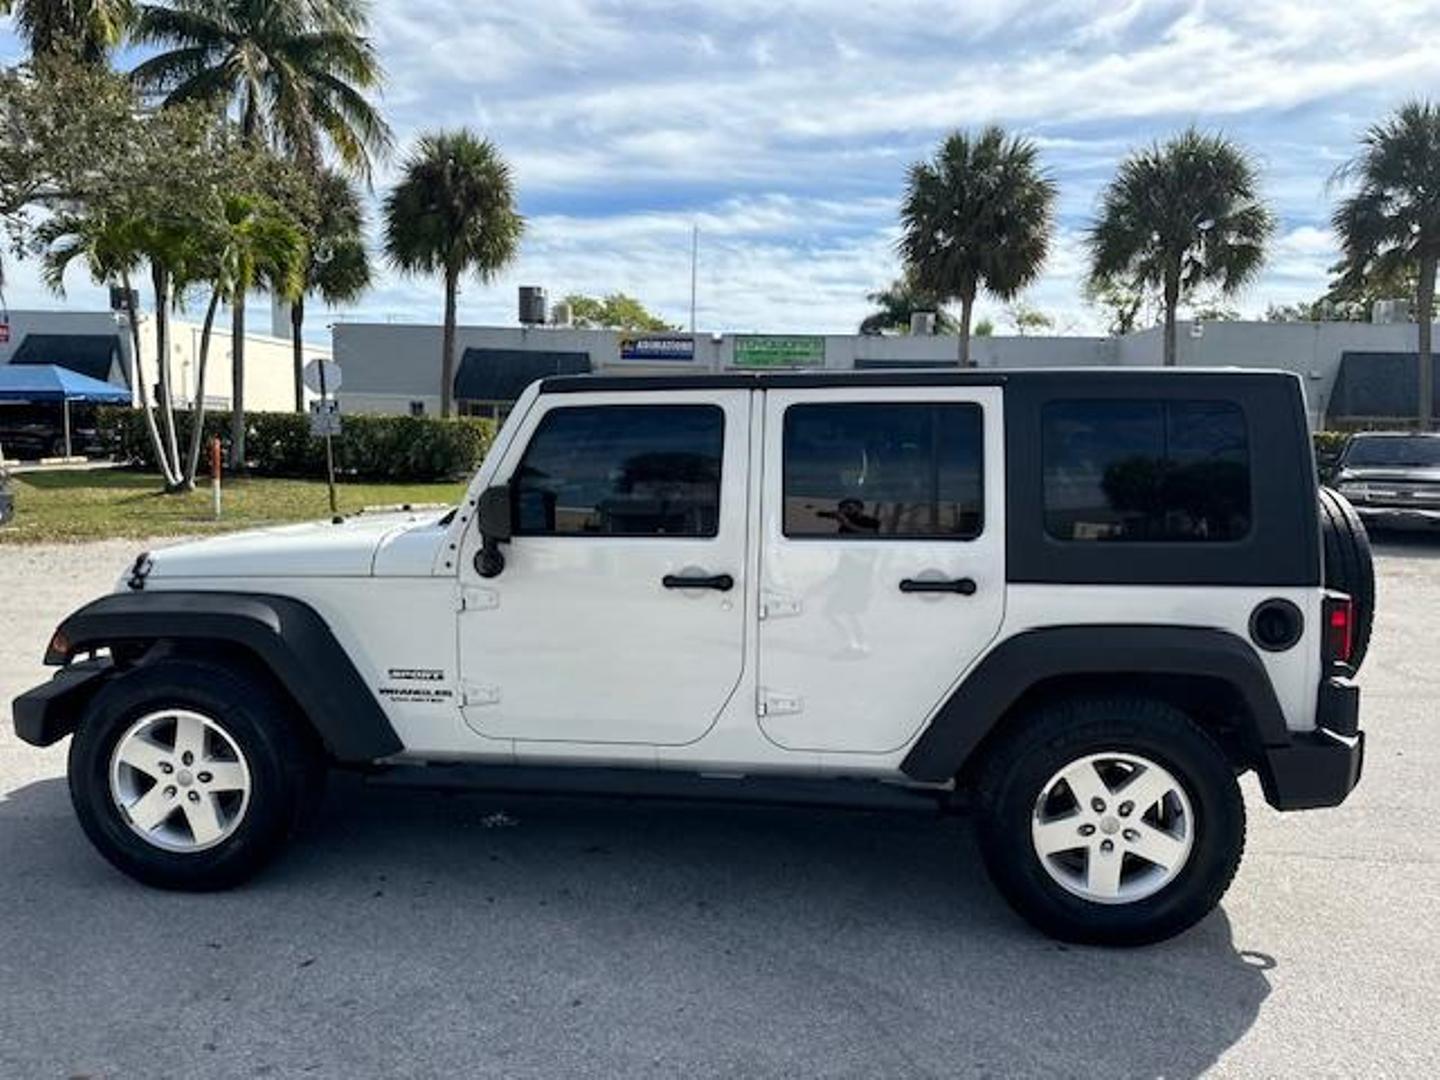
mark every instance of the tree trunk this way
{"type": "Point", "coordinates": [1172, 301]}
{"type": "Point", "coordinates": [297, 345]}
{"type": "Point", "coordinates": [447, 346]}
{"type": "Point", "coordinates": [1426, 314]}
{"type": "Point", "coordinates": [967, 307]}
{"type": "Point", "coordinates": [160, 277]}
{"type": "Point", "coordinates": [237, 381]}
{"type": "Point", "coordinates": [197, 412]}
{"type": "Point", "coordinates": [142, 387]}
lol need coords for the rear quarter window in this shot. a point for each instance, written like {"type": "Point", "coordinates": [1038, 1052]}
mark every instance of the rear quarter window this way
{"type": "Point", "coordinates": [1166, 471]}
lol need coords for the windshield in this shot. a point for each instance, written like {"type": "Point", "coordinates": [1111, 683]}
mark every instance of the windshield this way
{"type": "Point", "coordinates": [1393, 450]}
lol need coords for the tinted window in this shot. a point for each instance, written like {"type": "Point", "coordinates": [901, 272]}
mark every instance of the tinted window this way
{"type": "Point", "coordinates": [1146, 470]}
{"type": "Point", "coordinates": [1400, 451]}
{"type": "Point", "coordinates": [622, 470]}
{"type": "Point", "coordinates": [869, 470]}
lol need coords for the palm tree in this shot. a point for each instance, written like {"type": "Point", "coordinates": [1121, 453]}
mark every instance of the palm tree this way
{"type": "Point", "coordinates": [896, 303]}
{"type": "Point", "coordinates": [252, 239]}
{"type": "Point", "coordinates": [1389, 229]}
{"type": "Point", "coordinates": [977, 215]}
{"type": "Point", "coordinates": [84, 29]}
{"type": "Point", "coordinates": [112, 248]}
{"type": "Point", "coordinates": [261, 244]}
{"type": "Point", "coordinates": [337, 266]}
{"type": "Point", "coordinates": [1179, 215]}
{"type": "Point", "coordinates": [293, 70]}
{"type": "Point", "coordinates": [452, 211]}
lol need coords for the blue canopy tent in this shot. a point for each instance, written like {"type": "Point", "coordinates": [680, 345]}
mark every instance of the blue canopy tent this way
{"type": "Point", "coordinates": [31, 384]}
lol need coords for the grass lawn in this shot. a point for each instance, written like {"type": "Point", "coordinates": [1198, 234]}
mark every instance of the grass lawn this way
{"type": "Point", "coordinates": [97, 504]}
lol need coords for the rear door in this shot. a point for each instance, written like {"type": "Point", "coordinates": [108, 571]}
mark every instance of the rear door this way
{"type": "Point", "coordinates": [618, 617]}
{"type": "Point", "coordinates": [882, 570]}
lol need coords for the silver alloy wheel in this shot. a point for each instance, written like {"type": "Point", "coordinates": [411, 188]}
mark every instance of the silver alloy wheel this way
{"type": "Point", "coordinates": [179, 780]}
{"type": "Point", "coordinates": [1113, 828]}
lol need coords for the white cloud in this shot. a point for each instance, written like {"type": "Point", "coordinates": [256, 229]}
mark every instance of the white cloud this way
{"type": "Point", "coordinates": [784, 130]}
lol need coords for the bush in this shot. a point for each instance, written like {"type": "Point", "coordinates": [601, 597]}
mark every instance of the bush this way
{"type": "Point", "coordinates": [400, 448]}
{"type": "Point", "coordinates": [1328, 445]}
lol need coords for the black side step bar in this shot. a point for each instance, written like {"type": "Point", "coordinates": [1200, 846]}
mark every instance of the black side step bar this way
{"type": "Point", "coordinates": [667, 785]}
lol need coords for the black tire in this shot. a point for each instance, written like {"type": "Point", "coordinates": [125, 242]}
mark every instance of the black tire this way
{"type": "Point", "coordinates": [1349, 564]}
{"type": "Point", "coordinates": [1050, 737]}
{"type": "Point", "coordinates": [286, 770]}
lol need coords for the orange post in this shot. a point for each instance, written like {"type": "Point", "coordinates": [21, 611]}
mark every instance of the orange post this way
{"type": "Point", "coordinates": [215, 473]}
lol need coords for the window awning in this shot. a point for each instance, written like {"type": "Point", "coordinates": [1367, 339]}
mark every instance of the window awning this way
{"type": "Point", "coordinates": [92, 355]}
{"type": "Point", "coordinates": [502, 374]}
{"type": "Point", "coordinates": [1378, 385]}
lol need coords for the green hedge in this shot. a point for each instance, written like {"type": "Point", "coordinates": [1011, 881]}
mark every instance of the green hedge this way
{"type": "Point", "coordinates": [401, 448]}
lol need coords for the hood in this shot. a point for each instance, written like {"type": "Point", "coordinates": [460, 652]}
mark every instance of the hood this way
{"type": "Point", "coordinates": [317, 549]}
{"type": "Point", "coordinates": [1410, 474]}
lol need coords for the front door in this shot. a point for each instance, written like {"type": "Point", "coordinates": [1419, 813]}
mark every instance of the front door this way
{"type": "Point", "coordinates": [619, 615]}
{"type": "Point", "coordinates": [882, 570]}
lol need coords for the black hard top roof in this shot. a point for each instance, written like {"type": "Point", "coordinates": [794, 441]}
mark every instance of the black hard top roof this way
{"type": "Point", "coordinates": [795, 380]}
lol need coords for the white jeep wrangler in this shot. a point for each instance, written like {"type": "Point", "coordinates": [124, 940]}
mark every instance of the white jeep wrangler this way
{"type": "Point", "coordinates": [1081, 603]}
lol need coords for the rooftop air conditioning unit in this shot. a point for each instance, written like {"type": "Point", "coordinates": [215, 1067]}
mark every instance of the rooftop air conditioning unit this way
{"type": "Point", "coordinates": [1390, 311]}
{"type": "Point", "coordinates": [560, 314]}
{"type": "Point", "coordinates": [120, 300]}
{"type": "Point", "coordinates": [922, 323]}
{"type": "Point", "coordinates": [532, 305]}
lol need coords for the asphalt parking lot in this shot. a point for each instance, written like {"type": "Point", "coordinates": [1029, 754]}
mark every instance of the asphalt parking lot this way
{"type": "Point", "coordinates": [420, 934]}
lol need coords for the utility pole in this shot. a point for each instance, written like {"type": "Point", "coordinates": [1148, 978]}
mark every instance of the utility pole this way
{"type": "Point", "coordinates": [694, 258]}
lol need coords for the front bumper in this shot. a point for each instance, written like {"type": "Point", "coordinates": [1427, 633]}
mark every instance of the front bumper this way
{"type": "Point", "coordinates": [1321, 767]}
{"type": "Point", "coordinates": [48, 713]}
{"type": "Point", "coordinates": [1398, 517]}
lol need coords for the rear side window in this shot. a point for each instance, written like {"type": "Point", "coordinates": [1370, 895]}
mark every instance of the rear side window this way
{"type": "Point", "coordinates": [1156, 471]}
{"type": "Point", "coordinates": [622, 470]}
{"type": "Point", "coordinates": [878, 470]}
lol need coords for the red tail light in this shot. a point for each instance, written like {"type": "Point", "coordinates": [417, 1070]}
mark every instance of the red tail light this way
{"type": "Point", "coordinates": [1339, 628]}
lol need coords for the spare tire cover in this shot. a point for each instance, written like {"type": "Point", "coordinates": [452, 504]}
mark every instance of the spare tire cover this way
{"type": "Point", "coordinates": [1349, 565]}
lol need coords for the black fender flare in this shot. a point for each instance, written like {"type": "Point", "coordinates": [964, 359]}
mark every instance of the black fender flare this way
{"type": "Point", "coordinates": [286, 635]}
{"type": "Point", "coordinates": [1031, 657]}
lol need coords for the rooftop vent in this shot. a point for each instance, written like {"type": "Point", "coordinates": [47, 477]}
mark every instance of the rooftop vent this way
{"type": "Point", "coordinates": [532, 305]}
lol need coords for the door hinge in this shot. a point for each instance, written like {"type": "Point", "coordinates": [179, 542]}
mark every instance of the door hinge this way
{"type": "Point", "coordinates": [775, 605]}
{"type": "Point", "coordinates": [479, 694]}
{"type": "Point", "coordinates": [476, 598]}
{"type": "Point", "coordinates": [772, 703]}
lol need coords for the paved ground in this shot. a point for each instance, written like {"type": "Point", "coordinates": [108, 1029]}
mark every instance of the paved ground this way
{"type": "Point", "coordinates": [427, 935]}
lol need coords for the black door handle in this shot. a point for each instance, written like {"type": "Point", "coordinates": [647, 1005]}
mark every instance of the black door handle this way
{"type": "Point", "coordinates": [718, 582]}
{"type": "Point", "coordinates": [964, 586]}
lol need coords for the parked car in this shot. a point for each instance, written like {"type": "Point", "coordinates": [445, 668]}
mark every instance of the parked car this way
{"type": "Point", "coordinates": [1392, 478]}
{"type": "Point", "coordinates": [1080, 603]}
{"type": "Point", "coordinates": [31, 432]}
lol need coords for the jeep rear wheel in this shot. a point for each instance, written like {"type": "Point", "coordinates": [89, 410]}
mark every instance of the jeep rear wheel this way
{"type": "Point", "coordinates": [191, 775]}
{"type": "Point", "coordinates": [1110, 820]}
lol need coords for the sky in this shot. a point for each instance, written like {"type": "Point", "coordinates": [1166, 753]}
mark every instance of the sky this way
{"type": "Point", "coordinates": [784, 131]}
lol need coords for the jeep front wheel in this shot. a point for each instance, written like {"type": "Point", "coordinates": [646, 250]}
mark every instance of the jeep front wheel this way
{"type": "Point", "coordinates": [1112, 821]}
{"type": "Point", "coordinates": [191, 775]}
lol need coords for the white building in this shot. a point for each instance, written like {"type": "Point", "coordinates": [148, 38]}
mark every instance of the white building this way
{"type": "Point", "coordinates": [1352, 371]}
{"type": "Point", "coordinates": [98, 344]}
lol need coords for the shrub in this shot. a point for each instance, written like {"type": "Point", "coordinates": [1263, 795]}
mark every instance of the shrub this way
{"type": "Point", "coordinates": [400, 448]}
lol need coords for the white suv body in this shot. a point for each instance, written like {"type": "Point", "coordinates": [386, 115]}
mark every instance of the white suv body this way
{"type": "Point", "coordinates": [801, 576]}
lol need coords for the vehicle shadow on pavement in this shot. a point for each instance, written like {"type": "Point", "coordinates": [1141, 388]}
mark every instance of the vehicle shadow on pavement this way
{"type": "Point", "coordinates": [420, 933]}
{"type": "Point", "coordinates": [1410, 545]}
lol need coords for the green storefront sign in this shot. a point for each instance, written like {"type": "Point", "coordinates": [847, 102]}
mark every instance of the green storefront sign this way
{"type": "Point", "coordinates": [767, 351]}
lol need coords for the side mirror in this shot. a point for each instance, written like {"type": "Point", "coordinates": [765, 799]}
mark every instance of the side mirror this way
{"type": "Point", "coordinates": [492, 513]}
{"type": "Point", "coordinates": [492, 517]}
